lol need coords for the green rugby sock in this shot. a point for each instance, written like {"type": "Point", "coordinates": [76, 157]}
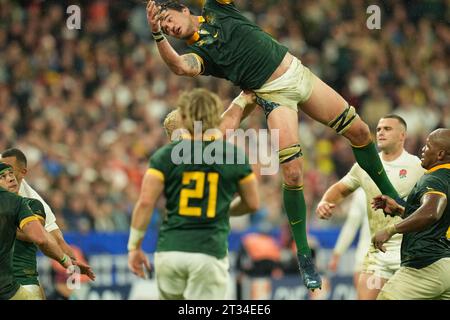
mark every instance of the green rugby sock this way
{"type": "Point", "coordinates": [295, 206]}
{"type": "Point", "coordinates": [368, 159]}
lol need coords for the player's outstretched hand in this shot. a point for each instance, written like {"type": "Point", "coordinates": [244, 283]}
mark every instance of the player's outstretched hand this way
{"type": "Point", "coordinates": [137, 260]}
{"type": "Point", "coordinates": [387, 204]}
{"type": "Point", "coordinates": [325, 209]}
{"type": "Point", "coordinates": [85, 269]}
{"type": "Point", "coordinates": [154, 16]}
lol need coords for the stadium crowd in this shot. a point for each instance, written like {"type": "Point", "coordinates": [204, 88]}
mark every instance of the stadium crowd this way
{"type": "Point", "coordinates": [86, 106]}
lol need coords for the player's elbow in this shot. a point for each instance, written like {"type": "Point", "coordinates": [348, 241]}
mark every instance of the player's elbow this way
{"type": "Point", "coordinates": [253, 209]}
{"type": "Point", "coordinates": [253, 205]}
{"type": "Point", "coordinates": [145, 203]}
{"type": "Point", "coordinates": [178, 70]}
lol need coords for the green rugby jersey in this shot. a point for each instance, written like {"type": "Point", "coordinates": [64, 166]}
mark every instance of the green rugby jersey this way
{"type": "Point", "coordinates": [198, 195]}
{"type": "Point", "coordinates": [420, 249]}
{"type": "Point", "coordinates": [14, 213]}
{"type": "Point", "coordinates": [24, 257]}
{"type": "Point", "coordinates": [234, 48]}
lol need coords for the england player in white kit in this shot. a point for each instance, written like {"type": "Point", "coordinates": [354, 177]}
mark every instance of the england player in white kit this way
{"type": "Point", "coordinates": [403, 170]}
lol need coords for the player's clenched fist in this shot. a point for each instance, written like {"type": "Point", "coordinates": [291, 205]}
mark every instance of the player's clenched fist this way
{"type": "Point", "coordinates": [325, 209]}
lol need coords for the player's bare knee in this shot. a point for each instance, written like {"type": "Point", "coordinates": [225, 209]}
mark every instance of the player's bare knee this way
{"type": "Point", "coordinates": [292, 176]}
{"type": "Point", "coordinates": [292, 173]}
{"type": "Point", "coordinates": [291, 165]}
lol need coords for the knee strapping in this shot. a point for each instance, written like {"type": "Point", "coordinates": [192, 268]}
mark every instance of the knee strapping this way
{"type": "Point", "coordinates": [343, 122]}
{"type": "Point", "coordinates": [290, 153]}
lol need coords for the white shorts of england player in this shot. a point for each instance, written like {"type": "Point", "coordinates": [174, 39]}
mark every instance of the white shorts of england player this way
{"type": "Point", "coordinates": [383, 264]}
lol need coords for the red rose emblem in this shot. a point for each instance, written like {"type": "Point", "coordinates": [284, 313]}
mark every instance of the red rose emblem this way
{"type": "Point", "coordinates": [402, 173]}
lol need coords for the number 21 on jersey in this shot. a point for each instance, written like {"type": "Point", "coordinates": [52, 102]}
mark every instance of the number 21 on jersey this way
{"type": "Point", "coordinates": [197, 193]}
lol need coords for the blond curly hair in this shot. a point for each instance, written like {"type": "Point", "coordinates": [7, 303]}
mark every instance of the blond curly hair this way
{"type": "Point", "coordinates": [200, 105]}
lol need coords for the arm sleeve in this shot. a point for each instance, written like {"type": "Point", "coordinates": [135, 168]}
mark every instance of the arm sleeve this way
{"type": "Point", "coordinates": [202, 58]}
{"type": "Point", "coordinates": [24, 213]}
{"type": "Point", "coordinates": [159, 165]}
{"type": "Point", "coordinates": [50, 220]}
{"type": "Point", "coordinates": [433, 184]}
{"type": "Point", "coordinates": [356, 214]}
{"type": "Point", "coordinates": [352, 178]}
{"type": "Point", "coordinates": [37, 208]}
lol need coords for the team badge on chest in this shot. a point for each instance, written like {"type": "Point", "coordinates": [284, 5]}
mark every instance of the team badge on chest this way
{"type": "Point", "coordinates": [402, 173]}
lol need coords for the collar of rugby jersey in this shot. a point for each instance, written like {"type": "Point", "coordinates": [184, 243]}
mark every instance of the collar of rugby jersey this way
{"type": "Point", "coordinates": [196, 36]}
{"type": "Point", "coordinates": [441, 166]}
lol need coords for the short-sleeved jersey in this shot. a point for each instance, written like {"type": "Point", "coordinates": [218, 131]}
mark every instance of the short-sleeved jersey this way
{"type": "Point", "coordinates": [420, 249]}
{"type": "Point", "coordinates": [234, 48]}
{"type": "Point", "coordinates": [24, 256]}
{"type": "Point", "coordinates": [28, 192]}
{"type": "Point", "coordinates": [14, 213]}
{"type": "Point", "coordinates": [403, 173]}
{"type": "Point", "coordinates": [198, 194]}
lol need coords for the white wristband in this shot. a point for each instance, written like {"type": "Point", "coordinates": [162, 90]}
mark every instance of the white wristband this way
{"type": "Point", "coordinates": [135, 237]}
{"type": "Point", "coordinates": [240, 101]}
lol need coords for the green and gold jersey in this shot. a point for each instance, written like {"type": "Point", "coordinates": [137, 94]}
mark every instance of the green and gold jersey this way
{"type": "Point", "coordinates": [234, 48]}
{"type": "Point", "coordinates": [24, 256]}
{"type": "Point", "coordinates": [14, 213]}
{"type": "Point", "coordinates": [420, 249]}
{"type": "Point", "coordinates": [198, 194]}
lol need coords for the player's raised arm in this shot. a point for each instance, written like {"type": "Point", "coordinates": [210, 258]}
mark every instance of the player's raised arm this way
{"type": "Point", "coordinates": [188, 64]}
{"type": "Point", "coordinates": [238, 110]}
